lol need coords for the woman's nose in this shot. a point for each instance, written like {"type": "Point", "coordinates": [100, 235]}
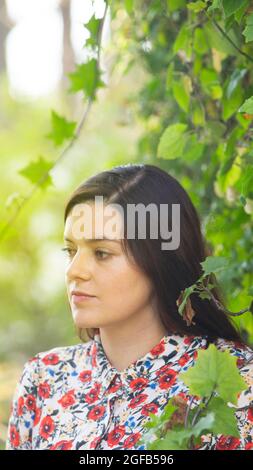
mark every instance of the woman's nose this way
{"type": "Point", "coordinates": [80, 266]}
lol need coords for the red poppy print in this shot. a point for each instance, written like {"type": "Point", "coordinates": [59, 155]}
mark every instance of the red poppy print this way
{"type": "Point", "coordinates": [71, 398]}
{"type": "Point", "coordinates": [68, 399]}
{"type": "Point", "coordinates": [132, 440]}
{"type": "Point", "coordinates": [138, 400]}
{"type": "Point", "coordinates": [158, 349]}
{"type": "Point", "coordinates": [47, 427]}
{"type": "Point", "coordinates": [62, 445]}
{"type": "Point", "coordinates": [14, 436]}
{"type": "Point", "coordinates": [184, 359]}
{"type": "Point", "coordinates": [149, 408]}
{"type": "Point", "coordinates": [167, 380]}
{"type": "Point", "coordinates": [31, 402]}
{"type": "Point", "coordinates": [115, 436]}
{"type": "Point", "coordinates": [85, 376]}
{"type": "Point", "coordinates": [227, 443]}
{"type": "Point", "coordinates": [51, 359]}
{"type": "Point", "coordinates": [250, 415]}
{"type": "Point", "coordinates": [139, 384]}
{"type": "Point", "coordinates": [92, 396]}
{"type": "Point", "coordinates": [96, 413]}
{"type": "Point", "coordinates": [20, 407]}
{"type": "Point", "coordinates": [44, 390]}
{"type": "Point", "coordinates": [37, 417]}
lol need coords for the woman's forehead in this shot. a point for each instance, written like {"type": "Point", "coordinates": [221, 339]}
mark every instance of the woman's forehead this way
{"type": "Point", "coordinates": [94, 222]}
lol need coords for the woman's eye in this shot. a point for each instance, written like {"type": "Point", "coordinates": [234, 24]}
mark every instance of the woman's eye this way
{"type": "Point", "coordinates": [69, 251]}
{"type": "Point", "coordinates": [103, 253]}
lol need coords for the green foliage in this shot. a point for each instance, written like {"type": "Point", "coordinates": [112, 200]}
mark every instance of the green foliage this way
{"type": "Point", "coordinates": [197, 110]}
{"type": "Point", "coordinates": [86, 78]}
{"type": "Point", "coordinates": [214, 370]}
{"type": "Point", "coordinates": [61, 129]}
{"type": "Point", "coordinates": [213, 373]}
{"type": "Point", "coordinates": [172, 141]}
{"type": "Point", "coordinates": [38, 171]}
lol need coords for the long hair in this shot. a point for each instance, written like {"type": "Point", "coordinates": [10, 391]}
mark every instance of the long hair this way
{"type": "Point", "coordinates": [170, 271]}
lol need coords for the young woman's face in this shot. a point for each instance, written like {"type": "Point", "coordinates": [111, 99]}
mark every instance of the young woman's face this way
{"type": "Point", "coordinates": [101, 269]}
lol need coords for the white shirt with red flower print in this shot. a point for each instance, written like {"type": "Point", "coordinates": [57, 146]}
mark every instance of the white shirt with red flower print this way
{"type": "Point", "coordinates": [71, 397]}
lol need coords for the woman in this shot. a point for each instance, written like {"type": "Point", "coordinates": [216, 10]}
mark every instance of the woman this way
{"type": "Point", "coordinates": [98, 394]}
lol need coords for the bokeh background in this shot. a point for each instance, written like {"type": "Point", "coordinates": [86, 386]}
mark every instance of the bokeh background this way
{"type": "Point", "coordinates": [40, 43]}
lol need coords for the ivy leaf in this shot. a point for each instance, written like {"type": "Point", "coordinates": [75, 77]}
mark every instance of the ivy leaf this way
{"type": "Point", "coordinates": [93, 27]}
{"type": "Point", "coordinates": [86, 78]}
{"type": "Point", "coordinates": [61, 128]}
{"type": "Point", "coordinates": [225, 421]}
{"type": "Point", "coordinates": [231, 6]}
{"type": "Point", "coordinates": [172, 141]}
{"type": "Point", "coordinates": [214, 370]}
{"type": "Point", "coordinates": [248, 31]}
{"type": "Point", "coordinates": [178, 437]}
{"type": "Point", "coordinates": [241, 12]}
{"type": "Point", "coordinates": [214, 264]}
{"type": "Point", "coordinates": [247, 106]}
{"type": "Point", "coordinates": [37, 171]}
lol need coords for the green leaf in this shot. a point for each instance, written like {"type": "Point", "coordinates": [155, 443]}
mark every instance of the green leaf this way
{"type": "Point", "coordinates": [129, 6]}
{"type": "Point", "coordinates": [193, 149]}
{"type": "Point", "coordinates": [231, 6]}
{"type": "Point", "coordinates": [216, 4]}
{"type": "Point", "coordinates": [230, 105]}
{"type": "Point", "coordinates": [246, 182]}
{"type": "Point", "coordinates": [186, 293]}
{"type": "Point", "coordinates": [248, 31]}
{"type": "Point", "coordinates": [181, 93]}
{"type": "Point", "coordinates": [61, 129]}
{"type": "Point", "coordinates": [241, 11]}
{"type": "Point", "coordinates": [218, 41]}
{"type": "Point", "coordinates": [93, 28]}
{"type": "Point", "coordinates": [214, 370]}
{"type": "Point", "coordinates": [247, 106]}
{"type": "Point", "coordinates": [200, 43]}
{"type": "Point", "coordinates": [196, 6]}
{"type": "Point", "coordinates": [172, 142]}
{"type": "Point", "coordinates": [86, 78]}
{"type": "Point", "coordinates": [250, 291]}
{"type": "Point", "coordinates": [234, 80]}
{"type": "Point", "coordinates": [225, 421]}
{"type": "Point", "coordinates": [204, 424]}
{"type": "Point", "coordinates": [184, 41]}
{"type": "Point", "coordinates": [214, 264]}
{"type": "Point", "coordinates": [177, 439]}
{"type": "Point", "coordinates": [174, 5]}
{"type": "Point", "coordinates": [37, 171]}
{"type": "Point", "coordinates": [198, 113]}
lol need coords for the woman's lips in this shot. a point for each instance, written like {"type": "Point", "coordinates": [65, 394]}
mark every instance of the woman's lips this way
{"type": "Point", "coordinates": [79, 298]}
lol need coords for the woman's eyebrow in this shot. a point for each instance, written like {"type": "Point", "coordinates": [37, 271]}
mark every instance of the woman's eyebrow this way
{"type": "Point", "coordinates": [90, 240]}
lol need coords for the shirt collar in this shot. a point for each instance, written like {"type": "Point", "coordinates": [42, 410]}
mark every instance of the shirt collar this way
{"type": "Point", "coordinates": [167, 356]}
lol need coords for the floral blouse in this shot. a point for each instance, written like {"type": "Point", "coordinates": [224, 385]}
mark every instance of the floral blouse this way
{"type": "Point", "coordinates": [71, 397]}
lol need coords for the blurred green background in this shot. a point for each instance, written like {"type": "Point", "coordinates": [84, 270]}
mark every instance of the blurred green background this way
{"type": "Point", "coordinates": [157, 73]}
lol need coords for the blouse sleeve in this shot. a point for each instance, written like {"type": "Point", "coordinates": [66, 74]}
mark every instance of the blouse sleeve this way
{"type": "Point", "coordinates": [23, 408]}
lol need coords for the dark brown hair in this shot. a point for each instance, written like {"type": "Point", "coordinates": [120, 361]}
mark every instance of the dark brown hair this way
{"type": "Point", "coordinates": [170, 271]}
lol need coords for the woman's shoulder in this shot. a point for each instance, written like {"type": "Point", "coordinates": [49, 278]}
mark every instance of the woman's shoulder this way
{"type": "Point", "coordinates": [242, 351]}
{"type": "Point", "coordinates": [57, 357]}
